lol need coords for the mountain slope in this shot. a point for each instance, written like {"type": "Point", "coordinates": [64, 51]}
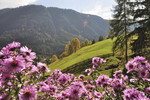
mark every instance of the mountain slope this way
{"type": "Point", "coordinates": [47, 30]}
{"type": "Point", "coordinates": [97, 49]}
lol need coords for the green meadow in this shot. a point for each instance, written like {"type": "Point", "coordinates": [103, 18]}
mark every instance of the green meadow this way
{"type": "Point", "coordinates": [97, 49]}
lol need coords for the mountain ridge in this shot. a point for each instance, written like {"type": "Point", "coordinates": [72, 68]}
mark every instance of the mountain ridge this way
{"type": "Point", "coordinates": [48, 29]}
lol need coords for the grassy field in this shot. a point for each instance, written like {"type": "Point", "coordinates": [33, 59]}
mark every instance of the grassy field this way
{"type": "Point", "coordinates": [97, 49]}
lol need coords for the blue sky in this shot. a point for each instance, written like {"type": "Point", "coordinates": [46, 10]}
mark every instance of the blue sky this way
{"type": "Point", "coordinates": [96, 7]}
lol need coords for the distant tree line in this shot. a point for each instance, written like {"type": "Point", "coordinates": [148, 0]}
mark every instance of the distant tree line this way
{"type": "Point", "coordinates": [72, 46]}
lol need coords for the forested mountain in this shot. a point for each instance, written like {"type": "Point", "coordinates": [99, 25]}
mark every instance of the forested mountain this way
{"type": "Point", "coordinates": [47, 30]}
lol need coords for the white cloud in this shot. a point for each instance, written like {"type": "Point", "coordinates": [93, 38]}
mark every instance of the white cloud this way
{"type": "Point", "coordinates": [14, 3]}
{"type": "Point", "coordinates": [104, 12]}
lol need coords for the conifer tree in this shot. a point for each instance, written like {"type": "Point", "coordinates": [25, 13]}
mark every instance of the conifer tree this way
{"type": "Point", "coordinates": [141, 20]}
{"type": "Point", "coordinates": [119, 26]}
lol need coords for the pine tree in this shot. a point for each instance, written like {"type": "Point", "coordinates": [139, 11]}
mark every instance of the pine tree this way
{"type": "Point", "coordinates": [119, 26]}
{"type": "Point", "coordinates": [141, 21]}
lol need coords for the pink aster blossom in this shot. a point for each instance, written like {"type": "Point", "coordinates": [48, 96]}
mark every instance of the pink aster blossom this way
{"type": "Point", "coordinates": [15, 64]}
{"type": "Point", "coordinates": [76, 90]}
{"type": "Point", "coordinates": [118, 74]}
{"type": "Point", "coordinates": [27, 53]}
{"type": "Point", "coordinates": [134, 94]}
{"type": "Point", "coordinates": [81, 76]}
{"type": "Point", "coordinates": [131, 66]}
{"type": "Point", "coordinates": [117, 84]}
{"type": "Point", "coordinates": [96, 61]}
{"type": "Point", "coordinates": [56, 74]}
{"type": "Point", "coordinates": [5, 78]}
{"type": "Point", "coordinates": [143, 73]}
{"type": "Point", "coordinates": [90, 81]}
{"type": "Point", "coordinates": [89, 71]}
{"type": "Point", "coordinates": [139, 59]}
{"type": "Point", "coordinates": [90, 86]}
{"type": "Point", "coordinates": [148, 90]}
{"type": "Point", "coordinates": [52, 90]}
{"type": "Point", "coordinates": [3, 69]}
{"type": "Point", "coordinates": [103, 80]}
{"type": "Point", "coordinates": [43, 67]}
{"type": "Point", "coordinates": [98, 96]}
{"type": "Point", "coordinates": [42, 87]}
{"type": "Point", "coordinates": [28, 93]}
{"type": "Point", "coordinates": [32, 69]}
{"type": "Point", "coordinates": [63, 95]}
{"type": "Point", "coordinates": [63, 79]}
{"type": "Point", "coordinates": [71, 77]}
{"type": "Point", "coordinates": [12, 46]}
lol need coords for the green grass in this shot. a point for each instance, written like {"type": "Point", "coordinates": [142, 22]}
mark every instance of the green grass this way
{"type": "Point", "coordinates": [97, 49]}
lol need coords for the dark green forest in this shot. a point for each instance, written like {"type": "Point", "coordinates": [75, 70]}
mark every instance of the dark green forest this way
{"type": "Point", "coordinates": [47, 30]}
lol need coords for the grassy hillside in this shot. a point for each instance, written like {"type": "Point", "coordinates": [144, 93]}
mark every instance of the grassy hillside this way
{"type": "Point", "coordinates": [97, 49]}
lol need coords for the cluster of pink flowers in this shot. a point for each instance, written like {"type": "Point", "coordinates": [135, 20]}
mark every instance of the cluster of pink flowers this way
{"type": "Point", "coordinates": [139, 65]}
{"type": "Point", "coordinates": [96, 61]}
{"type": "Point", "coordinates": [22, 79]}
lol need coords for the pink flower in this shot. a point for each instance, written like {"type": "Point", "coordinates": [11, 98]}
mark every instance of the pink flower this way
{"type": "Point", "coordinates": [76, 90]}
{"type": "Point", "coordinates": [32, 69]}
{"type": "Point", "coordinates": [15, 64]}
{"type": "Point", "coordinates": [81, 76]}
{"type": "Point", "coordinates": [5, 78]}
{"type": "Point", "coordinates": [96, 61]}
{"type": "Point", "coordinates": [3, 69]}
{"type": "Point", "coordinates": [148, 90]}
{"type": "Point", "coordinates": [12, 46]}
{"type": "Point", "coordinates": [118, 74]}
{"type": "Point", "coordinates": [43, 67]}
{"type": "Point", "coordinates": [98, 96]}
{"type": "Point", "coordinates": [117, 84]}
{"type": "Point", "coordinates": [27, 53]}
{"type": "Point", "coordinates": [139, 59]}
{"type": "Point", "coordinates": [63, 79]}
{"type": "Point", "coordinates": [90, 86]}
{"type": "Point", "coordinates": [28, 93]}
{"type": "Point", "coordinates": [131, 66]}
{"type": "Point", "coordinates": [134, 94]}
{"type": "Point", "coordinates": [52, 90]}
{"type": "Point", "coordinates": [143, 73]}
{"type": "Point", "coordinates": [103, 80]}
{"type": "Point", "coordinates": [89, 71]}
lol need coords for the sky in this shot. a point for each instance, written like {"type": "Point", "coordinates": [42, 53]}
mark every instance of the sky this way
{"type": "Point", "coordinates": [102, 8]}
